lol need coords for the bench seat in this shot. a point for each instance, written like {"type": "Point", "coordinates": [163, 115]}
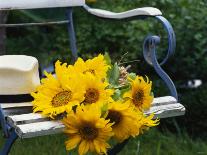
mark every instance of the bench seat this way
{"type": "Point", "coordinates": [28, 124]}
{"type": "Point", "coordinates": [37, 4]}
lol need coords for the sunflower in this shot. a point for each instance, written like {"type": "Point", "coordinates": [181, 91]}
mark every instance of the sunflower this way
{"type": "Point", "coordinates": [96, 91]}
{"type": "Point", "coordinates": [140, 93]}
{"type": "Point", "coordinates": [96, 66]}
{"type": "Point", "coordinates": [63, 71]}
{"type": "Point", "coordinates": [59, 94]}
{"type": "Point", "coordinates": [125, 119]}
{"type": "Point", "coordinates": [86, 128]}
{"type": "Point", "coordinates": [147, 122]}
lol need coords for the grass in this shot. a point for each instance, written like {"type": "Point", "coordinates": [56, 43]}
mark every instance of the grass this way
{"type": "Point", "coordinates": [152, 143]}
{"type": "Point", "coordinates": [157, 143]}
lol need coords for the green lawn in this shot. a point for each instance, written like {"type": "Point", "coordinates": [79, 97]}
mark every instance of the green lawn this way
{"type": "Point", "coordinates": [152, 143]}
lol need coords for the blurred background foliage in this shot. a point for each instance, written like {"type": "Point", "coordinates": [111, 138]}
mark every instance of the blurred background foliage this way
{"type": "Point", "coordinates": [188, 18]}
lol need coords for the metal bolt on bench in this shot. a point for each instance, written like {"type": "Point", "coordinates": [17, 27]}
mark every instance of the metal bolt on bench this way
{"type": "Point", "coordinates": [17, 119]}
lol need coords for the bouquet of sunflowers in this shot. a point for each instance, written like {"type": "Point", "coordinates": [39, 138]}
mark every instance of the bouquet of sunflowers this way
{"type": "Point", "coordinates": [97, 101]}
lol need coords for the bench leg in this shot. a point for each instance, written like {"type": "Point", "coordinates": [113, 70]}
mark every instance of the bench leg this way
{"type": "Point", "coordinates": [8, 144]}
{"type": "Point", "coordinates": [72, 36]}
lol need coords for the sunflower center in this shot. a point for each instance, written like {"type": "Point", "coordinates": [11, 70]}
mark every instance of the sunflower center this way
{"type": "Point", "coordinates": [62, 98]}
{"type": "Point", "coordinates": [88, 132]}
{"type": "Point", "coordinates": [138, 97]}
{"type": "Point", "coordinates": [114, 116]}
{"type": "Point", "coordinates": [91, 95]}
{"type": "Point", "coordinates": [92, 71]}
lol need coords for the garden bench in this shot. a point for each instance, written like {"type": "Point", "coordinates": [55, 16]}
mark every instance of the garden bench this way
{"type": "Point", "coordinates": [28, 124]}
{"type": "Point", "coordinates": [17, 119]}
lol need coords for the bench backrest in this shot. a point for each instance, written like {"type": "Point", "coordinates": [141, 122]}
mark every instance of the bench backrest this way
{"type": "Point", "coordinates": [35, 4]}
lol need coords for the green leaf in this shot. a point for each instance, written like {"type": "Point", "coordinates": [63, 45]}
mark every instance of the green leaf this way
{"type": "Point", "coordinates": [117, 94]}
{"type": "Point", "coordinates": [104, 109]}
{"type": "Point", "coordinates": [113, 75]}
{"type": "Point", "coordinates": [132, 76]}
{"type": "Point", "coordinates": [107, 58]}
{"type": "Point", "coordinates": [122, 91]}
{"type": "Point", "coordinates": [152, 94]}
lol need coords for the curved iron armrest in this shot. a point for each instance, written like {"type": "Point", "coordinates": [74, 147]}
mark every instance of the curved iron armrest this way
{"type": "Point", "coordinates": [150, 43]}
{"type": "Point", "coordinates": [149, 46]}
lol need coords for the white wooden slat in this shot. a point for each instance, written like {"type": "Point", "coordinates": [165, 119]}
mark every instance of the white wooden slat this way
{"type": "Point", "coordinates": [12, 105]}
{"type": "Point", "coordinates": [25, 119]}
{"type": "Point", "coordinates": [164, 100]}
{"type": "Point", "coordinates": [169, 110]}
{"type": "Point", "coordinates": [34, 4]}
{"type": "Point", "coordinates": [17, 111]}
{"type": "Point", "coordinates": [31, 117]}
{"type": "Point", "coordinates": [39, 129]}
{"type": "Point", "coordinates": [32, 125]}
{"type": "Point", "coordinates": [11, 109]}
{"type": "Point", "coordinates": [53, 127]}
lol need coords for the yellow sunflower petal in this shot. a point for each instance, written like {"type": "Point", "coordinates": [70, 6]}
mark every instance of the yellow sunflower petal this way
{"type": "Point", "coordinates": [59, 94]}
{"type": "Point", "coordinates": [140, 93]}
{"type": "Point", "coordinates": [96, 92]}
{"type": "Point", "coordinates": [72, 142]}
{"type": "Point", "coordinates": [94, 131]}
{"type": "Point", "coordinates": [125, 120]}
{"type": "Point", "coordinates": [96, 66]}
{"type": "Point", "coordinates": [83, 147]}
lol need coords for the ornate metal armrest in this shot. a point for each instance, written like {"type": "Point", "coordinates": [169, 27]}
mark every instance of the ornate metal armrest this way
{"type": "Point", "coordinates": [146, 11]}
{"type": "Point", "coordinates": [149, 46]}
{"type": "Point", "coordinates": [151, 42]}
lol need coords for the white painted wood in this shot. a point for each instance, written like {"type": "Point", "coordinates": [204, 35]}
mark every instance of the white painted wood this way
{"type": "Point", "coordinates": [12, 105]}
{"type": "Point", "coordinates": [11, 109]}
{"type": "Point", "coordinates": [164, 100]}
{"type": "Point", "coordinates": [146, 11]}
{"type": "Point", "coordinates": [34, 117]}
{"type": "Point", "coordinates": [158, 103]}
{"type": "Point", "coordinates": [39, 129]}
{"type": "Point", "coordinates": [53, 127]}
{"type": "Point", "coordinates": [17, 111]}
{"type": "Point", "coordinates": [32, 125]}
{"type": "Point", "coordinates": [168, 110]}
{"type": "Point", "coordinates": [34, 4]}
{"type": "Point", "coordinates": [26, 119]}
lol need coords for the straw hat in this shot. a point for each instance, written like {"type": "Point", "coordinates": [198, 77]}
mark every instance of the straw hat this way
{"type": "Point", "coordinates": [18, 74]}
